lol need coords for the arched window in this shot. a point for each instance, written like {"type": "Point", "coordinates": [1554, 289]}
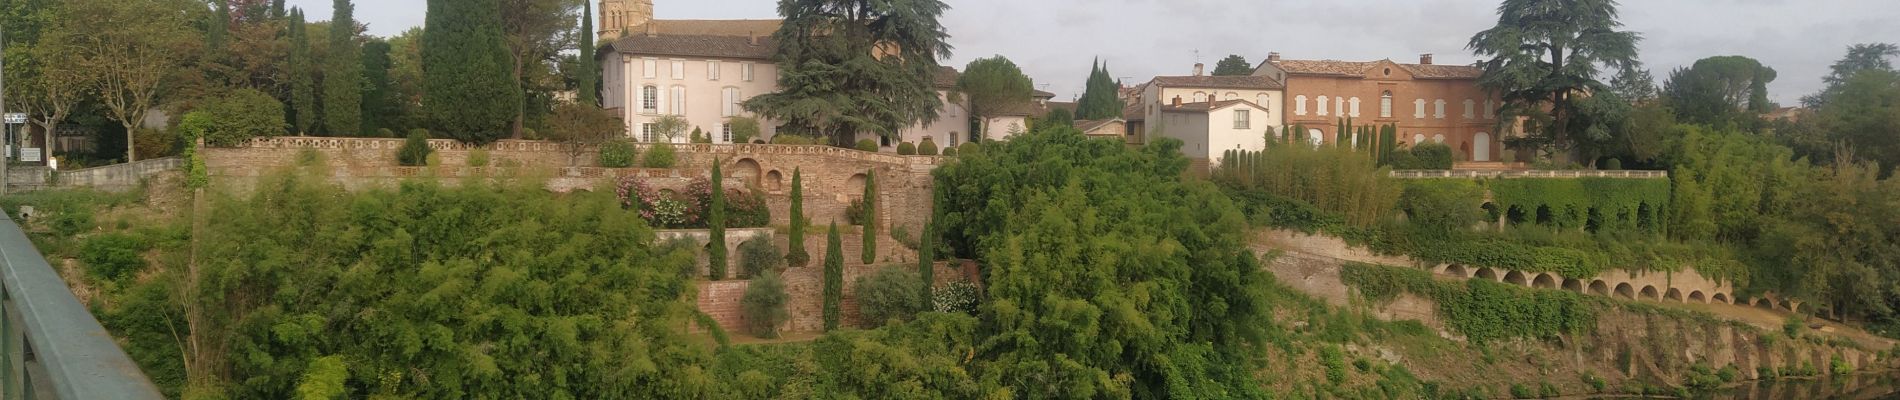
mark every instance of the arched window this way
{"type": "Point", "coordinates": [1231, 96]}
{"type": "Point", "coordinates": [1299, 105]}
{"type": "Point", "coordinates": [1355, 107]}
{"type": "Point", "coordinates": [1265, 101]}
{"type": "Point", "coordinates": [677, 103]}
{"type": "Point", "coordinates": [1418, 139]}
{"type": "Point", "coordinates": [1438, 109]}
{"type": "Point", "coordinates": [1322, 105]}
{"type": "Point", "coordinates": [1385, 104]}
{"type": "Point", "coordinates": [1439, 138]}
{"type": "Point", "coordinates": [1200, 97]}
{"type": "Point", "coordinates": [650, 99]}
{"type": "Point", "coordinates": [1471, 108]}
{"type": "Point", "coordinates": [1418, 108]}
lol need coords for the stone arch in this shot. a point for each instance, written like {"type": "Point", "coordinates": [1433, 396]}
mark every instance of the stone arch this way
{"type": "Point", "coordinates": [773, 181]}
{"type": "Point", "coordinates": [1649, 293]}
{"type": "Point", "coordinates": [1516, 279]}
{"type": "Point", "coordinates": [1486, 274]}
{"type": "Point", "coordinates": [1789, 305]}
{"type": "Point", "coordinates": [1626, 291]}
{"type": "Point", "coordinates": [1721, 298]}
{"type": "Point", "coordinates": [854, 186]}
{"type": "Point", "coordinates": [1696, 296]}
{"type": "Point", "coordinates": [1545, 281]}
{"type": "Point", "coordinates": [1673, 294]}
{"type": "Point", "coordinates": [1600, 288]}
{"type": "Point", "coordinates": [1457, 271]}
{"type": "Point", "coordinates": [1764, 303]}
{"type": "Point", "coordinates": [746, 170]}
{"type": "Point", "coordinates": [1573, 285]}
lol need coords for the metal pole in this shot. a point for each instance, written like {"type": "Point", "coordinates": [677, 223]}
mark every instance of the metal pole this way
{"type": "Point", "coordinates": [8, 158]}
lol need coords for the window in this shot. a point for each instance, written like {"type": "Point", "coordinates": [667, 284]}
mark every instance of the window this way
{"type": "Point", "coordinates": [679, 70]}
{"type": "Point", "coordinates": [1200, 97]}
{"type": "Point", "coordinates": [1439, 138]}
{"type": "Point", "coordinates": [1355, 106]}
{"type": "Point", "coordinates": [1231, 96]}
{"type": "Point", "coordinates": [745, 72]}
{"type": "Point", "coordinates": [1418, 139]}
{"type": "Point", "coordinates": [1264, 101]}
{"type": "Point", "coordinates": [1385, 104]}
{"type": "Point", "coordinates": [647, 132]}
{"type": "Point", "coordinates": [1418, 108]}
{"type": "Point", "coordinates": [1242, 120]}
{"type": "Point", "coordinates": [1299, 105]}
{"type": "Point", "coordinates": [1339, 106]}
{"type": "Point", "coordinates": [1322, 106]}
{"type": "Point", "coordinates": [1438, 109]}
{"type": "Point", "coordinates": [1490, 110]}
{"type": "Point", "coordinates": [677, 104]}
{"type": "Point", "coordinates": [650, 68]}
{"type": "Point", "coordinates": [1471, 108]}
{"type": "Point", "coordinates": [712, 70]}
{"type": "Point", "coordinates": [649, 99]}
{"type": "Point", "coordinates": [729, 102]}
{"type": "Point", "coordinates": [725, 131]}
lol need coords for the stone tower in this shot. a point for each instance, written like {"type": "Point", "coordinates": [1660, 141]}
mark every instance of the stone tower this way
{"type": "Point", "coordinates": [617, 16]}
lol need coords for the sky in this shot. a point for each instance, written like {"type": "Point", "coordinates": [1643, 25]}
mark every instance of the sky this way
{"type": "Point", "coordinates": [1054, 40]}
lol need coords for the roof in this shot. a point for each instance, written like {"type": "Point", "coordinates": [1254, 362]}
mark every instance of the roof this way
{"type": "Point", "coordinates": [1061, 105]}
{"type": "Point", "coordinates": [1359, 69]}
{"type": "Point", "coordinates": [945, 77]}
{"type": "Point", "coordinates": [1042, 95]}
{"type": "Point", "coordinates": [1133, 112]}
{"type": "Point", "coordinates": [1090, 125]}
{"type": "Point", "coordinates": [1203, 107]}
{"type": "Point", "coordinates": [701, 38]}
{"type": "Point", "coordinates": [1221, 82]}
{"type": "Point", "coordinates": [708, 27]}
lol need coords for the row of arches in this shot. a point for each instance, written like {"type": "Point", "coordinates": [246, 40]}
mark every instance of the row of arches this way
{"type": "Point", "coordinates": [1598, 287]}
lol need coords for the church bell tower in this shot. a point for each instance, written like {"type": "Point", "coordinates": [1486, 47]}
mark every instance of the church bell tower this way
{"type": "Point", "coordinates": [618, 16]}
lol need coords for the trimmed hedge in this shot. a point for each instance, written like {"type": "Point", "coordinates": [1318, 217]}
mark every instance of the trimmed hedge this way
{"type": "Point", "coordinates": [906, 149]}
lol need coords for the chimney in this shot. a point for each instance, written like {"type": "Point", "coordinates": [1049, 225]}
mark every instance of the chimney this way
{"type": "Point", "coordinates": [652, 30]}
{"type": "Point", "coordinates": [1177, 101]}
{"type": "Point", "coordinates": [1273, 57]}
{"type": "Point", "coordinates": [754, 36]}
{"type": "Point", "coordinates": [1425, 59]}
{"type": "Point", "coordinates": [1198, 67]}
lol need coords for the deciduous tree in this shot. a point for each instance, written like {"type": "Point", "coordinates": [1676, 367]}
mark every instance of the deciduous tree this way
{"type": "Point", "coordinates": [580, 127]}
{"type": "Point", "coordinates": [994, 86]}
{"type": "Point", "coordinates": [1233, 65]}
{"type": "Point", "coordinates": [536, 31]}
{"type": "Point", "coordinates": [146, 42]}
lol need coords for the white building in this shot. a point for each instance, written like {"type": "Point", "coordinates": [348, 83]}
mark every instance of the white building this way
{"type": "Point", "coordinates": [1209, 114]}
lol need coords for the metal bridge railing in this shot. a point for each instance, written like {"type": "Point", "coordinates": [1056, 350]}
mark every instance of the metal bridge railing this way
{"type": "Point", "coordinates": [53, 348]}
{"type": "Point", "coordinates": [1508, 174]}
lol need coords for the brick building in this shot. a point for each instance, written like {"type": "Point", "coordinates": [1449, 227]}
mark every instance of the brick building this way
{"type": "Point", "coordinates": [1428, 102]}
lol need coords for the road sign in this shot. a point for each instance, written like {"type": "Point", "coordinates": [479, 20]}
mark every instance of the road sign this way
{"type": "Point", "coordinates": [30, 154]}
{"type": "Point", "coordinates": [16, 118]}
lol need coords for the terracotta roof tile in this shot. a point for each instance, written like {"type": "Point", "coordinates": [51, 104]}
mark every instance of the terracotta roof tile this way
{"type": "Point", "coordinates": [1359, 69]}
{"type": "Point", "coordinates": [1089, 125]}
{"type": "Point", "coordinates": [1206, 106]}
{"type": "Point", "coordinates": [709, 27]}
{"type": "Point", "coordinates": [1133, 112]}
{"type": "Point", "coordinates": [945, 77]}
{"type": "Point", "coordinates": [697, 46]}
{"type": "Point", "coordinates": [1222, 82]}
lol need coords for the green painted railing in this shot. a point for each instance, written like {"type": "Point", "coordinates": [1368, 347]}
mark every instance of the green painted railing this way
{"type": "Point", "coordinates": [53, 348]}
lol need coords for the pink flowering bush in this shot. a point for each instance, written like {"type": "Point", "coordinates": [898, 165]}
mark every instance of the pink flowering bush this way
{"type": "Point", "coordinates": [689, 209]}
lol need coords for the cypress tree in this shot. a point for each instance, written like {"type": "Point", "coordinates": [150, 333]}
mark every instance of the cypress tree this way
{"type": "Point", "coordinates": [870, 217]}
{"type": "Point", "coordinates": [834, 278]}
{"type": "Point", "coordinates": [343, 76]}
{"type": "Point", "coordinates": [469, 92]}
{"type": "Point", "coordinates": [303, 91]}
{"type": "Point", "coordinates": [716, 250]}
{"type": "Point", "coordinates": [796, 256]}
{"type": "Point", "coordinates": [379, 102]}
{"type": "Point", "coordinates": [589, 73]}
{"type": "Point", "coordinates": [1102, 97]}
{"type": "Point", "coordinates": [277, 9]}
{"type": "Point", "coordinates": [1388, 143]}
{"type": "Point", "coordinates": [220, 27]}
{"type": "Point", "coordinates": [927, 260]}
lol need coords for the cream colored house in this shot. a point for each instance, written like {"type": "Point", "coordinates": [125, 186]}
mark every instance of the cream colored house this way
{"type": "Point", "coordinates": [701, 70]}
{"type": "Point", "coordinates": [1209, 114]}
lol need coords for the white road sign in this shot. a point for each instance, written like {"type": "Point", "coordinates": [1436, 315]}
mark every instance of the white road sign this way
{"type": "Point", "coordinates": [16, 118]}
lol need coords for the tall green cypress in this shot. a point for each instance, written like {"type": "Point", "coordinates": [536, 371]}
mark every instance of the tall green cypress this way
{"type": "Point", "coordinates": [1388, 143]}
{"type": "Point", "coordinates": [589, 74]}
{"type": "Point", "coordinates": [927, 260]}
{"type": "Point", "coordinates": [1101, 98]}
{"type": "Point", "coordinates": [716, 250]}
{"type": "Point", "coordinates": [303, 87]}
{"type": "Point", "coordinates": [277, 9]}
{"type": "Point", "coordinates": [219, 29]}
{"type": "Point", "coordinates": [469, 92]}
{"type": "Point", "coordinates": [796, 256]}
{"type": "Point", "coordinates": [343, 75]}
{"type": "Point", "coordinates": [379, 101]}
{"type": "Point", "coordinates": [834, 278]}
{"type": "Point", "coordinates": [870, 217]}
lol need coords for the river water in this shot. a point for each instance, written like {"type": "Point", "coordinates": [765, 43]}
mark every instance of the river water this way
{"type": "Point", "coordinates": [1884, 386]}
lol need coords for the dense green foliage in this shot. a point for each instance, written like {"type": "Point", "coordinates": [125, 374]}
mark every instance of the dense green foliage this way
{"type": "Point", "coordinates": [1233, 65]}
{"type": "Point", "coordinates": [906, 149]}
{"type": "Point", "coordinates": [1442, 205]}
{"type": "Point", "coordinates": [1541, 55]}
{"type": "Point", "coordinates": [716, 222]}
{"type": "Point", "coordinates": [660, 156]}
{"type": "Point", "coordinates": [758, 255]}
{"type": "Point", "coordinates": [1424, 156]}
{"type": "Point", "coordinates": [889, 294]}
{"type": "Point", "coordinates": [1101, 98]}
{"type": "Point", "coordinates": [343, 74]}
{"type": "Point", "coordinates": [469, 93]}
{"type": "Point", "coordinates": [796, 255]}
{"type": "Point", "coordinates": [927, 263]}
{"type": "Point", "coordinates": [927, 147]}
{"type": "Point", "coordinates": [1720, 91]}
{"type": "Point", "coordinates": [1338, 180]}
{"type": "Point", "coordinates": [588, 77]}
{"type": "Point", "coordinates": [302, 71]}
{"type": "Point", "coordinates": [764, 304]}
{"type": "Point", "coordinates": [239, 116]}
{"type": "Point", "coordinates": [834, 279]}
{"type": "Point", "coordinates": [616, 154]}
{"type": "Point", "coordinates": [1481, 310]}
{"type": "Point", "coordinates": [868, 252]}
{"type": "Point", "coordinates": [849, 66]}
{"type": "Point", "coordinates": [415, 150]}
{"type": "Point", "coordinates": [992, 86]}
{"type": "Point", "coordinates": [865, 145]}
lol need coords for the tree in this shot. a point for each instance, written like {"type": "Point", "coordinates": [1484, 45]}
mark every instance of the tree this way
{"type": "Point", "coordinates": [927, 260]}
{"type": "Point", "coordinates": [343, 75]}
{"type": "Point", "coordinates": [870, 217]}
{"type": "Point", "coordinates": [1543, 57]}
{"type": "Point", "coordinates": [241, 115]}
{"type": "Point", "coordinates": [1635, 85]}
{"type": "Point", "coordinates": [994, 86]}
{"type": "Point", "coordinates": [146, 43]}
{"type": "Point", "coordinates": [535, 31]}
{"type": "Point", "coordinates": [716, 250]}
{"type": "Point", "coordinates": [1057, 118]}
{"type": "Point", "coordinates": [744, 129]}
{"type": "Point", "coordinates": [764, 304]}
{"type": "Point", "coordinates": [579, 127]}
{"type": "Point", "coordinates": [1720, 90]}
{"type": "Point", "coordinates": [469, 93]}
{"type": "Point", "coordinates": [671, 126]}
{"type": "Point", "coordinates": [1860, 57]}
{"type": "Point", "coordinates": [796, 255]}
{"type": "Point", "coordinates": [850, 66]}
{"type": "Point", "coordinates": [834, 279]}
{"type": "Point", "coordinates": [43, 78]}
{"type": "Point", "coordinates": [588, 79]}
{"type": "Point", "coordinates": [303, 97]}
{"type": "Point", "coordinates": [1863, 115]}
{"type": "Point", "coordinates": [218, 27]}
{"type": "Point", "coordinates": [1233, 65]}
{"type": "Point", "coordinates": [1102, 97]}
{"type": "Point", "coordinates": [380, 102]}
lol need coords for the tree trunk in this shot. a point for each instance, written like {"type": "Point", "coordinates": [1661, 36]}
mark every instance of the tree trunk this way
{"type": "Point", "coordinates": [131, 144]}
{"type": "Point", "coordinates": [521, 107]}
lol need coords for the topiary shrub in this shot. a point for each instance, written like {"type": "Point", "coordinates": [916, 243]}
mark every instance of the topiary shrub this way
{"type": "Point", "coordinates": [616, 154]}
{"type": "Point", "coordinates": [950, 152]}
{"type": "Point", "coordinates": [793, 139]}
{"type": "Point", "coordinates": [1613, 164]}
{"type": "Point", "coordinates": [764, 305]}
{"type": "Point", "coordinates": [660, 156]}
{"type": "Point", "coordinates": [967, 148]}
{"type": "Point", "coordinates": [906, 149]}
{"type": "Point", "coordinates": [758, 256]}
{"type": "Point", "coordinates": [866, 145]}
{"type": "Point", "coordinates": [415, 149]}
{"type": "Point", "coordinates": [890, 294]}
{"type": "Point", "coordinates": [927, 148]}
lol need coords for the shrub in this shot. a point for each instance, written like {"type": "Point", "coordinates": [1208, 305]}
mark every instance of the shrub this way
{"type": "Point", "coordinates": [242, 115]}
{"type": "Point", "coordinates": [786, 138]}
{"type": "Point", "coordinates": [1547, 390]}
{"type": "Point", "coordinates": [415, 149]}
{"type": "Point", "coordinates": [1424, 156]}
{"type": "Point", "coordinates": [1442, 205]}
{"type": "Point", "coordinates": [660, 156]}
{"type": "Point", "coordinates": [156, 143]}
{"type": "Point", "coordinates": [956, 297]}
{"type": "Point", "coordinates": [1793, 327]}
{"type": "Point", "coordinates": [967, 148]}
{"type": "Point", "coordinates": [764, 305]}
{"type": "Point", "coordinates": [478, 158]}
{"type": "Point", "coordinates": [866, 145]}
{"type": "Point", "coordinates": [112, 256]}
{"type": "Point", "coordinates": [1613, 164]}
{"type": "Point", "coordinates": [1838, 366]}
{"type": "Point", "coordinates": [927, 148]}
{"type": "Point", "coordinates": [699, 136]}
{"type": "Point", "coordinates": [616, 154]}
{"type": "Point", "coordinates": [890, 294]}
{"type": "Point", "coordinates": [854, 212]}
{"type": "Point", "coordinates": [1519, 391]}
{"type": "Point", "coordinates": [950, 152]}
{"type": "Point", "coordinates": [906, 149]}
{"type": "Point", "coordinates": [1335, 363]}
{"type": "Point", "coordinates": [758, 256]}
{"type": "Point", "coordinates": [1597, 384]}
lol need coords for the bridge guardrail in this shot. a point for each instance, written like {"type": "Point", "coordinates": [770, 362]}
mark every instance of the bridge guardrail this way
{"type": "Point", "coordinates": [53, 348]}
{"type": "Point", "coordinates": [1508, 174]}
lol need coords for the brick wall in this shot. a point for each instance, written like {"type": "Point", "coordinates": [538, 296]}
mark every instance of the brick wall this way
{"type": "Point", "coordinates": [721, 299]}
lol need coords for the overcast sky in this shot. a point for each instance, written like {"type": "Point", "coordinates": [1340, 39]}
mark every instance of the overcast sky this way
{"type": "Point", "coordinates": [1053, 40]}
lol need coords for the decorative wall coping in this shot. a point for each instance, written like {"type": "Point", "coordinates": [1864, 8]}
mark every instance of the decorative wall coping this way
{"type": "Point", "coordinates": [737, 150]}
{"type": "Point", "coordinates": [1560, 174]}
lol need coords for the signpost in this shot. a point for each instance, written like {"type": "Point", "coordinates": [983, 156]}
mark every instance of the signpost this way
{"type": "Point", "coordinates": [16, 118]}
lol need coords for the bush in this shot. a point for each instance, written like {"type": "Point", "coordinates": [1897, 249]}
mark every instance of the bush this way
{"type": "Point", "coordinates": [1442, 205]}
{"type": "Point", "coordinates": [660, 156]}
{"type": "Point", "coordinates": [893, 293]}
{"type": "Point", "coordinates": [415, 149]}
{"type": "Point", "coordinates": [1425, 156]}
{"type": "Point", "coordinates": [967, 148]}
{"type": "Point", "coordinates": [950, 152]}
{"type": "Point", "coordinates": [927, 148]}
{"type": "Point", "coordinates": [791, 139]}
{"type": "Point", "coordinates": [478, 158]}
{"type": "Point", "coordinates": [1613, 164]}
{"type": "Point", "coordinates": [758, 256]}
{"type": "Point", "coordinates": [156, 143]}
{"type": "Point", "coordinates": [956, 297]}
{"type": "Point", "coordinates": [866, 145]}
{"type": "Point", "coordinates": [1335, 363]}
{"type": "Point", "coordinates": [1838, 366]}
{"type": "Point", "coordinates": [242, 115]}
{"type": "Point", "coordinates": [854, 212]}
{"type": "Point", "coordinates": [1519, 391]}
{"type": "Point", "coordinates": [699, 136]}
{"type": "Point", "coordinates": [113, 256]}
{"type": "Point", "coordinates": [616, 154]}
{"type": "Point", "coordinates": [906, 149]}
{"type": "Point", "coordinates": [764, 305]}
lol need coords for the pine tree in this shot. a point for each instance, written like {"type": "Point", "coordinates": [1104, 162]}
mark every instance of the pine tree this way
{"type": "Point", "coordinates": [303, 96]}
{"type": "Point", "coordinates": [469, 92]}
{"type": "Point", "coordinates": [834, 278]}
{"type": "Point", "coordinates": [716, 250]}
{"type": "Point", "coordinates": [589, 73]}
{"type": "Point", "coordinates": [796, 256]}
{"type": "Point", "coordinates": [870, 217]}
{"type": "Point", "coordinates": [1102, 97]}
{"type": "Point", "coordinates": [343, 75]}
